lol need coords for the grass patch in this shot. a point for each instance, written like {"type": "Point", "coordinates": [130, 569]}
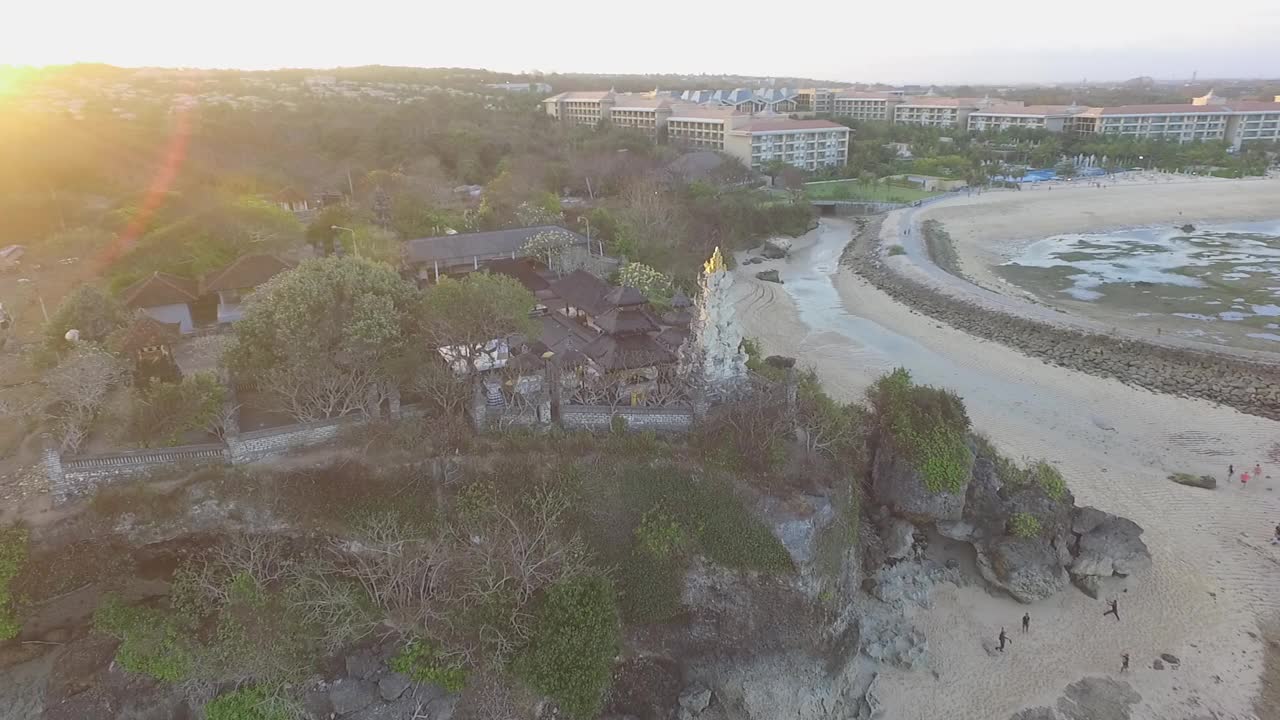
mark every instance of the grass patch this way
{"type": "Point", "coordinates": [927, 425]}
{"type": "Point", "coordinates": [1024, 525]}
{"type": "Point", "coordinates": [150, 641]}
{"type": "Point", "coordinates": [250, 703]}
{"type": "Point", "coordinates": [421, 661]}
{"type": "Point", "coordinates": [895, 250]}
{"type": "Point", "coordinates": [13, 556]}
{"type": "Point", "coordinates": [868, 192]}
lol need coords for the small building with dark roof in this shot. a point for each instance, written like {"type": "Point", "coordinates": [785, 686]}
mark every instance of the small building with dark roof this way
{"type": "Point", "coordinates": [430, 256]}
{"type": "Point", "coordinates": [583, 294]}
{"type": "Point", "coordinates": [164, 297]}
{"type": "Point", "coordinates": [149, 343]}
{"type": "Point", "coordinates": [234, 283]}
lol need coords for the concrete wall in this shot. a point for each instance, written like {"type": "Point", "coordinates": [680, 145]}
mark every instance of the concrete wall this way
{"type": "Point", "coordinates": [259, 444]}
{"type": "Point", "coordinates": [600, 418]}
{"type": "Point", "coordinates": [78, 475]}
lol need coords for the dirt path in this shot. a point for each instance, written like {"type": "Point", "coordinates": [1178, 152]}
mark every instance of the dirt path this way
{"type": "Point", "coordinates": [1214, 575]}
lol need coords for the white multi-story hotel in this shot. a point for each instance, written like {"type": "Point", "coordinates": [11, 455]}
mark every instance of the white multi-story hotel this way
{"type": "Point", "coordinates": [701, 127]}
{"type": "Point", "coordinates": [864, 105]}
{"type": "Point", "coordinates": [1053, 118]}
{"type": "Point", "coordinates": [806, 144]}
{"type": "Point", "coordinates": [941, 112]}
{"type": "Point", "coordinates": [815, 100]}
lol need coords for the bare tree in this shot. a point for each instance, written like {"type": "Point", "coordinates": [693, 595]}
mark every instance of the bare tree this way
{"type": "Point", "coordinates": [76, 389]}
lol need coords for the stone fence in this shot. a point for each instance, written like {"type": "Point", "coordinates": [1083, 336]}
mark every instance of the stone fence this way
{"type": "Point", "coordinates": [79, 475]}
{"type": "Point", "coordinates": [674, 419]}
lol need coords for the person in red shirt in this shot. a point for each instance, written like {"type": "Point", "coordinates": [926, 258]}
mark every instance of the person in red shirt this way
{"type": "Point", "coordinates": [1244, 479]}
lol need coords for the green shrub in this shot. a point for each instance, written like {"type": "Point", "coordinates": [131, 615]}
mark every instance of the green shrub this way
{"type": "Point", "coordinates": [569, 656]}
{"type": "Point", "coordinates": [618, 425]}
{"type": "Point", "coordinates": [249, 703]}
{"type": "Point", "coordinates": [1024, 525]}
{"type": "Point", "coordinates": [1048, 478]}
{"type": "Point", "coordinates": [13, 555]}
{"type": "Point", "coordinates": [660, 534]}
{"type": "Point", "coordinates": [151, 643]}
{"type": "Point", "coordinates": [420, 661]}
{"type": "Point", "coordinates": [163, 412]}
{"type": "Point", "coordinates": [895, 250]}
{"type": "Point", "coordinates": [650, 586]}
{"type": "Point", "coordinates": [926, 425]}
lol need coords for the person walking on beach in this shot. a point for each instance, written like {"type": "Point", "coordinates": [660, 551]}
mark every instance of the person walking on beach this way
{"type": "Point", "coordinates": [1244, 479]}
{"type": "Point", "coordinates": [1113, 611]}
{"type": "Point", "coordinates": [1124, 662]}
{"type": "Point", "coordinates": [1003, 639]}
{"type": "Point", "coordinates": [1257, 470]}
{"type": "Point", "coordinates": [1026, 621]}
{"type": "Point", "coordinates": [1231, 472]}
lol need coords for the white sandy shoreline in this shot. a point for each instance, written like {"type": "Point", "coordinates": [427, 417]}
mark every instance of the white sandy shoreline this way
{"type": "Point", "coordinates": [1213, 578]}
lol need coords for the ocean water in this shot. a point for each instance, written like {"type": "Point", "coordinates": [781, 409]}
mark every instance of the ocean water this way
{"type": "Point", "coordinates": [1215, 274]}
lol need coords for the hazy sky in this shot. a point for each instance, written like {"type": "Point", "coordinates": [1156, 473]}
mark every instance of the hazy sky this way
{"type": "Point", "coordinates": [942, 41]}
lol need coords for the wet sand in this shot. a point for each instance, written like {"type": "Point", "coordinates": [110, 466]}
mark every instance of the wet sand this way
{"type": "Point", "coordinates": [1214, 574]}
{"type": "Point", "coordinates": [995, 227]}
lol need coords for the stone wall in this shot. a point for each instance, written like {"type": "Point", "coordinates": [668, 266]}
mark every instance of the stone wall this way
{"type": "Point", "coordinates": [600, 418]}
{"type": "Point", "coordinates": [78, 475]}
{"type": "Point", "coordinates": [259, 444]}
{"type": "Point", "coordinates": [1249, 387]}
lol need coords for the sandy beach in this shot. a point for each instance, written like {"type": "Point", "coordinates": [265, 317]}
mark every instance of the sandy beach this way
{"type": "Point", "coordinates": [1214, 576]}
{"type": "Point", "coordinates": [994, 227]}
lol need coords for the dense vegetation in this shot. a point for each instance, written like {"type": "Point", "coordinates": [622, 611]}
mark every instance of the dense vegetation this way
{"type": "Point", "coordinates": [927, 425]}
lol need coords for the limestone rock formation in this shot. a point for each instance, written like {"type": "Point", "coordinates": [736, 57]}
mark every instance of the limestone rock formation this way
{"type": "Point", "coordinates": [899, 539]}
{"type": "Point", "coordinates": [1097, 698]}
{"type": "Point", "coordinates": [901, 487]}
{"type": "Point", "coordinates": [776, 248]}
{"type": "Point", "coordinates": [1108, 545]}
{"type": "Point", "coordinates": [1029, 569]}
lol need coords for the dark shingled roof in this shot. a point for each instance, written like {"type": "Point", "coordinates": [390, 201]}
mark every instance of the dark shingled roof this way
{"type": "Point", "coordinates": [677, 317]}
{"type": "Point", "coordinates": [146, 331]}
{"type": "Point", "coordinates": [248, 271]}
{"type": "Point", "coordinates": [465, 246]}
{"type": "Point", "coordinates": [160, 289]}
{"type": "Point", "coordinates": [672, 338]}
{"type": "Point", "coordinates": [625, 319]}
{"type": "Point", "coordinates": [627, 352]}
{"type": "Point", "coordinates": [582, 290]}
{"type": "Point", "coordinates": [522, 269]}
{"type": "Point", "coordinates": [625, 297]}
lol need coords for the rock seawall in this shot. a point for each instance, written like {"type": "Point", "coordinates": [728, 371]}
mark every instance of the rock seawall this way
{"type": "Point", "coordinates": [1249, 387]}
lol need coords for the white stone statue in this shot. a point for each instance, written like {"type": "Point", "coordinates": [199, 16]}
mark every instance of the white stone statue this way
{"type": "Point", "coordinates": [713, 354]}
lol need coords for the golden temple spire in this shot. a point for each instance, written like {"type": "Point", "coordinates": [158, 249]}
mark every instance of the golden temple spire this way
{"type": "Point", "coordinates": [715, 264]}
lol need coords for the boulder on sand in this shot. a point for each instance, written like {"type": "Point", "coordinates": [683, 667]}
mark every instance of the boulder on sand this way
{"type": "Point", "coordinates": [1208, 482]}
{"type": "Point", "coordinates": [776, 248]}
{"type": "Point", "coordinates": [769, 276]}
{"type": "Point", "coordinates": [1027, 568]}
{"type": "Point", "coordinates": [1113, 547]}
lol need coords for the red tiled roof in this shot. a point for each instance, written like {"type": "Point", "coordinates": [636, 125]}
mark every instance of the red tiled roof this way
{"type": "Point", "coordinates": [773, 125]}
{"type": "Point", "coordinates": [146, 331]}
{"type": "Point", "coordinates": [160, 289]}
{"type": "Point", "coordinates": [248, 271]}
{"type": "Point", "coordinates": [1254, 106]}
{"type": "Point", "coordinates": [1186, 108]}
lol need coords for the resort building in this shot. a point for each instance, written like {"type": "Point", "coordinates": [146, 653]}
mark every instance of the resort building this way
{"type": "Point", "coordinates": [637, 112]}
{"type": "Point", "coordinates": [1254, 121]}
{"type": "Point", "coordinates": [1053, 118]}
{"type": "Point", "coordinates": [864, 105]}
{"type": "Point", "coordinates": [1181, 123]}
{"type": "Point", "coordinates": [806, 144]}
{"type": "Point", "coordinates": [935, 111]}
{"type": "Point", "coordinates": [816, 100]}
{"type": "Point", "coordinates": [580, 108]}
{"type": "Point", "coordinates": [702, 127]}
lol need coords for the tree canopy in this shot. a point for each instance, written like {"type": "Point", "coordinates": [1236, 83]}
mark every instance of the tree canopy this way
{"type": "Point", "coordinates": [323, 336]}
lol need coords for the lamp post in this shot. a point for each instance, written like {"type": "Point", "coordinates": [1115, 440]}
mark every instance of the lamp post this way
{"type": "Point", "coordinates": [354, 245]}
{"type": "Point", "coordinates": [587, 220]}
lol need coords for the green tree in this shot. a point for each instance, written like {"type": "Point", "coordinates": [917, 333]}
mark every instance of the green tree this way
{"type": "Point", "coordinates": [89, 310]}
{"type": "Point", "coordinates": [13, 555]}
{"type": "Point", "coordinates": [569, 656]}
{"type": "Point", "coordinates": [474, 316]}
{"type": "Point", "coordinates": [326, 337]}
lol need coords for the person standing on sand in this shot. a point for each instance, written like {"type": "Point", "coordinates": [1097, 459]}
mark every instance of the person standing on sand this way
{"type": "Point", "coordinates": [1113, 611]}
{"type": "Point", "coordinates": [1124, 662]}
{"type": "Point", "coordinates": [1003, 639]}
{"type": "Point", "coordinates": [1231, 472]}
{"type": "Point", "coordinates": [1257, 471]}
{"type": "Point", "coordinates": [1026, 620]}
{"type": "Point", "coordinates": [1244, 479]}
